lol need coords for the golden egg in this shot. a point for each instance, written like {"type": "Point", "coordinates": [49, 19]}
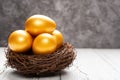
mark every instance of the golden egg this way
{"type": "Point", "coordinates": [59, 37]}
{"type": "Point", "coordinates": [37, 24]}
{"type": "Point", "coordinates": [20, 41]}
{"type": "Point", "coordinates": [44, 44]}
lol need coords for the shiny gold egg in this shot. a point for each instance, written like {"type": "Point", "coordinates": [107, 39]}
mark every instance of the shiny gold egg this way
{"type": "Point", "coordinates": [37, 24]}
{"type": "Point", "coordinates": [20, 41]}
{"type": "Point", "coordinates": [44, 44]}
{"type": "Point", "coordinates": [58, 37]}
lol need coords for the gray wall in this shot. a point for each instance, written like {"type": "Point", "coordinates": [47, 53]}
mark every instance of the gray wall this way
{"type": "Point", "coordinates": [84, 23]}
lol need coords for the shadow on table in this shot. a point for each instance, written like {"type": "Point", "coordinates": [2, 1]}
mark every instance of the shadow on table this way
{"type": "Point", "coordinates": [14, 75]}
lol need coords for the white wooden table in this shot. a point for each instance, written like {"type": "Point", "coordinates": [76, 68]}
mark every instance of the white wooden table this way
{"type": "Point", "coordinates": [90, 64]}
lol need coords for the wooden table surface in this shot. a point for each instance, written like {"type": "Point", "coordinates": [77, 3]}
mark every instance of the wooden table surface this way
{"type": "Point", "coordinates": [90, 64]}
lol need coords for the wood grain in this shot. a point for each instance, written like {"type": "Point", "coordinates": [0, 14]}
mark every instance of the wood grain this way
{"type": "Point", "coordinates": [90, 64]}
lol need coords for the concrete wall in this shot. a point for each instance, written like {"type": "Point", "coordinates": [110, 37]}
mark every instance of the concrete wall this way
{"type": "Point", "coordinates": [84, 23]}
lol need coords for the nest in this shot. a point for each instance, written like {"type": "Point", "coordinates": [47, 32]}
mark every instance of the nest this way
{"type": "Point", "coordinates": [29, 64]}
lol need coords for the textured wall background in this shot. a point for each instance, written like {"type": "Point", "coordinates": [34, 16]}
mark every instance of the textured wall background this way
{"type": "Point", "coordinates": [84, 23]}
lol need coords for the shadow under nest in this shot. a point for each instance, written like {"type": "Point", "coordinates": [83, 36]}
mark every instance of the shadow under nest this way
{"type": "Point", "coordinates": [29, 64]}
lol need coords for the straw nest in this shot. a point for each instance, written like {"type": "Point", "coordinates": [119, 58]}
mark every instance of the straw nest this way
{"type": "Point", "coordinates": [29, 64]}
